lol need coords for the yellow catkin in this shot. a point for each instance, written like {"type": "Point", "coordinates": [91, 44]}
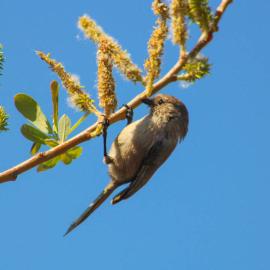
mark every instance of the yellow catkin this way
{"type": "Point", "coordinates": [160, 9]}
{"type": "Point", "coordinates": [3, 119]}
{"type": "Point", "coordinates": [78, 97]}
{"type": "Point", "coordinates": [106, 84]}
{"type": "Point", "coordinates": [179, 10]}
{"type": "Point", "coordinates": [120, 57]}
{"type": "Point", "coordinates": [91, 29]}
{"type": "Point", "coordinates": [200, 12]}
{"type": "Point", "coordinates": [156, 44]}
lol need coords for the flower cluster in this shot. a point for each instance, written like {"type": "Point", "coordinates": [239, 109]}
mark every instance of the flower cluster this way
{"type": "Point", "coordinates": [78, 97]}
{"type": "Point", "coordinates": [156, 44]}
{"type": "Point", "coordinates": [179, 9]}
{"type": "Point", "coordinates": [106, 84]}
{"type": "Point", "coordinates": [120, 57]}
{"type": "Point", "coordinates": [3, 119]}
{"type": "Point", "coordinates": [200, 13]}
{"type": "Point", "coordinates": [195, 69]}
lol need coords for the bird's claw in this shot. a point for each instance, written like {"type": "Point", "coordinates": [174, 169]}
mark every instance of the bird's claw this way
{"type": "Point", "coordinates": [107, 159]}
{"type": "Point", "coordinates": [129, 114]}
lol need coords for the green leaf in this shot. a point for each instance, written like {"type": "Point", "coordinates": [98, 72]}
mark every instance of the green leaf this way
{"type": "Point", "coordinates": [66, 159]}
{"type": "Point", "coordinates": [55, 96]}
{"type": "Point", "coordinates": [71, 154]}
{"type": "Point", "coordinates": [75, 152]}
{"type": "Point", "coordinates": [48, 164]}
{"type": "Point", "coordinates": [79, 122]}
{"type": "Point", "coordinates": [33, 134]}
{"type": "Point", "coordinates": [34, 149]}
{"type": "Point", "coordinates": [30, 109]}
{"type": "Point", "coordinates": [51, 142]}
{"type": "Point", "coordinates": [64, 128]}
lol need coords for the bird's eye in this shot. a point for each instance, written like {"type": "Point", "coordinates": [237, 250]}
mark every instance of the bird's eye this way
{"type": "Point", "coordinates": [161, 101]}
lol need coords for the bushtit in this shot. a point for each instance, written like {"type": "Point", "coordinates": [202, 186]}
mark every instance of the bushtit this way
{"type": "Point", "coordinates": [141, 148]}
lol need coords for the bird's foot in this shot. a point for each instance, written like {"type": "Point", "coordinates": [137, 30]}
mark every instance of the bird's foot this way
{"type": "Point", "coordinates": [107, 159]}
{"type": "Point", "coordinates": [105, 124]}
{"type": "Point", "coordinates": [129, 114]}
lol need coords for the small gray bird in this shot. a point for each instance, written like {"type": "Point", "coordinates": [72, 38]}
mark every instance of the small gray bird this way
{"type": "Point", "coordinates": [141, 148]}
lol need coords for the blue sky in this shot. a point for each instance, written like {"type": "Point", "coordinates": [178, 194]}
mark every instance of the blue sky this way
{"type": "Point", "coordinates": [206, 208]}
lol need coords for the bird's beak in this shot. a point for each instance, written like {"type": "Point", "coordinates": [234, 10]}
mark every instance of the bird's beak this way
{"type": "Point", "coordinates": [148, 102]}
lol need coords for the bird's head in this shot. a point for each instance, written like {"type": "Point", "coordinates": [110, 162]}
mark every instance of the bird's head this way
{"type": "Point", "coordinates": [167, 107]}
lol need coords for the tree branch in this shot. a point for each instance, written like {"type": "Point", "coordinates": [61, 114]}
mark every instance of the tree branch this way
{"type": "Point", "coordinates": [87, 134]}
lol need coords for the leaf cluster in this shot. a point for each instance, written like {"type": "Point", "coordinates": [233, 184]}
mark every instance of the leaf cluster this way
{"type": "Point", "coordinates": [41, 132]}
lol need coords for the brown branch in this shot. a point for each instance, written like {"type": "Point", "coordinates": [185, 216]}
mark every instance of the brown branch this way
{"type": "Point", "coordinates": [171, 76]}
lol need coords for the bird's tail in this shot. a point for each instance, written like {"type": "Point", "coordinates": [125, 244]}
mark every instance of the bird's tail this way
{"type": "Point", "coordinates": [93, 206]}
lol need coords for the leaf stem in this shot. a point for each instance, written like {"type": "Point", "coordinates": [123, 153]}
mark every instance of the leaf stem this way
{"type": "Point", "coordinates": [78, 122]}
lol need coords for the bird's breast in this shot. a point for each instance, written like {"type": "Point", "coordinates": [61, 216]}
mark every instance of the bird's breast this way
{"type": "Point", "coordinates": [127, 151]}
{"type": "Point", "coordinates": [134, 142]}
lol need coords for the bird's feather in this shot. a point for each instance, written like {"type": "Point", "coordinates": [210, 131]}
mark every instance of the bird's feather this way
{"type": "Point", "coordinates": [156, 156]}
{"type": "Point", "coordinates": [92, 207]}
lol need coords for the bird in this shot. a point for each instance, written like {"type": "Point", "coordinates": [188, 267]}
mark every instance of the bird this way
{"type": "Point", "coordinates": [140, 149]}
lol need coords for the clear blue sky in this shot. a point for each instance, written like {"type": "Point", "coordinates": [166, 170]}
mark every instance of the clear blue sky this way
{"type": "Point", "coordinates": [207, 208]}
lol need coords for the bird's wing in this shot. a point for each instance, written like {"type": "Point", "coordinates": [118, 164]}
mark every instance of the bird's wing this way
{"type": "Point", "coordinates": [157, 154]}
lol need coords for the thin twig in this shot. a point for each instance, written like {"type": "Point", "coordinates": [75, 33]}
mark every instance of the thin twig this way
{"type": "Point", "coordinates": [87, 134]}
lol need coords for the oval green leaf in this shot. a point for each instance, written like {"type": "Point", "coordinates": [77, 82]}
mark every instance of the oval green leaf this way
{"type": "Point", "coordinates": [35, 147]}
{"type": "Point", "coordinates": [66, 159]}
{"type": "Point", "coordinates": [55, 97]}
{"type": "Point", "coordinates": [75, 152]}
{"type": "Point", "coordinates": [51, 142]}
{"type": "Point", "coordinates": [30, 109]}
{"type": "Point", "coordinates": [48, 164]}
{"type": "Point", "coordinates": [33, 134]}
{"type": "Point", "coordinates": [64, 127]}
